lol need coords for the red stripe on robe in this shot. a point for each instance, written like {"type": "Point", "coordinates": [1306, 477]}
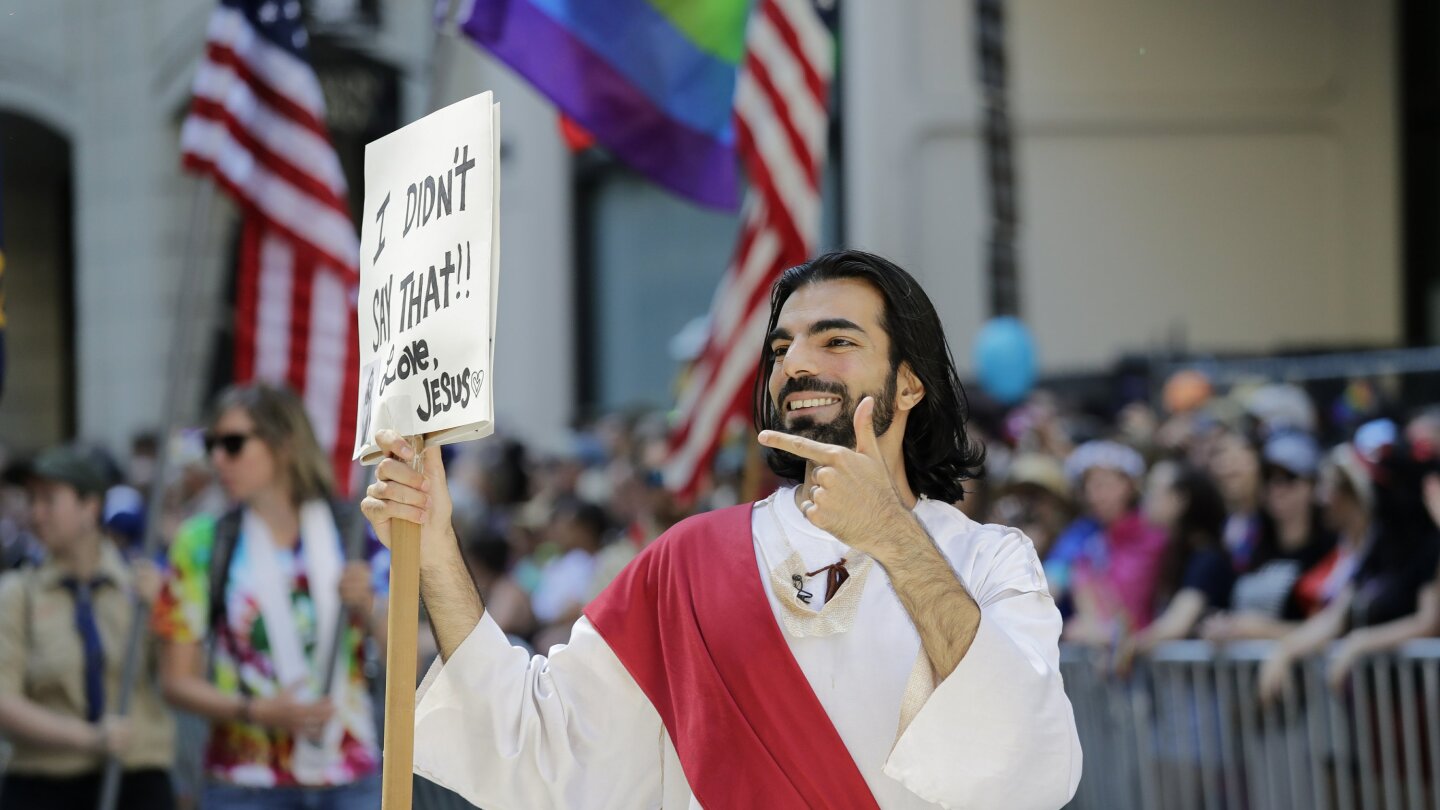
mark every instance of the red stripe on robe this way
{"type": "Point", "coordinates": [690, 621]}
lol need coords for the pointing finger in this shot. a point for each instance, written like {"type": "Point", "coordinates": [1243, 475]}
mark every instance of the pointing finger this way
{"type": "Point", "coordinates": [800, 446]}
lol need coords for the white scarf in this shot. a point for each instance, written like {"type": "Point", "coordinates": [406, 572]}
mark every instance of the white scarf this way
{"type": "Point", "coordinates": [323, 562]}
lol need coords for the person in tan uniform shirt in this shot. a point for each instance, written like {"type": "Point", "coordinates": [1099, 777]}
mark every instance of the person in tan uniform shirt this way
{"type": "Point", "coordinates": [63, 630]}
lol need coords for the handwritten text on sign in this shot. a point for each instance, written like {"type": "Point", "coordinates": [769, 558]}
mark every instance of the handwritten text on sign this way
{"type": "Point", "coordinates": [428, 276]}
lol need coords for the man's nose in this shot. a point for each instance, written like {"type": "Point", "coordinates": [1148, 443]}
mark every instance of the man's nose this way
{"type": "Point", "coordinates": [797, 362]}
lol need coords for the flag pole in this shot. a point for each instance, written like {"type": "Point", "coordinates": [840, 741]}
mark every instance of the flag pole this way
{"type": "Point", "coordinates": [189, 318]}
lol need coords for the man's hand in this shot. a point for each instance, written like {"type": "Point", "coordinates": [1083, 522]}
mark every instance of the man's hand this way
{"type": "Point", "coordinates": [853, 496]}
{"type": "Point", "coordinates": [401, 492]}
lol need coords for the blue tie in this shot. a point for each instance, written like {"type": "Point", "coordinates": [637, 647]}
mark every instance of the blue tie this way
{"type": "Point", "coordinates": [94, 653]}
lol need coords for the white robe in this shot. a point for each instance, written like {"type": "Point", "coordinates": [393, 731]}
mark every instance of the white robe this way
{"type": "Point", "coordinates": [513, 732]}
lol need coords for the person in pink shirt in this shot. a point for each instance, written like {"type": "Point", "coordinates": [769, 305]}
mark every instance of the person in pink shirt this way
{"type": "Point", "coordinates": [1104, 568]}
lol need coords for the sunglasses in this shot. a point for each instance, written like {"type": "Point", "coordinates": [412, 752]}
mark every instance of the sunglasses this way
{"type": "Point", "coordinates": [231, 443]}
{"type": "Point", "coordinates": [1281, 479]}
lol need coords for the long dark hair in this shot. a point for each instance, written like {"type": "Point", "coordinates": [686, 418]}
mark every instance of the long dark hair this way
{"type": "Point", "coordinates": [939, 456]}
{"type": "Point", "coordinates": [1200, 526]}
{"type": "Point", "coordinates": [1402, 524]}
{"type": "Point", "coordinates": [1268, 545]}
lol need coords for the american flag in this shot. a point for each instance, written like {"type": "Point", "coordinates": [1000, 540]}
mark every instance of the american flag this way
{"type": "Point", "coordinates": [257, 126]}
{"type": "Point", "coordinates": [782, 117]}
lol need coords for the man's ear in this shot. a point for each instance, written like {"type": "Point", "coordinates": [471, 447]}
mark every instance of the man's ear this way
{"type": "Point", "coordinates": [908, 388]}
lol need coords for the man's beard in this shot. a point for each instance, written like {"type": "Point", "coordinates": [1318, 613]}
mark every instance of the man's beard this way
{"type": "Point", "coordinates": [839, 431]}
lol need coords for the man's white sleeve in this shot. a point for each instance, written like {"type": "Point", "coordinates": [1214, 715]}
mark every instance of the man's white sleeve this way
{"type": "Point", "coordinates": [508, 731]}
{"type": "Point", "coordinates": [999, 731]}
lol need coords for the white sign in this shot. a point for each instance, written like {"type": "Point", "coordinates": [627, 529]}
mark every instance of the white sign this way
{"type": "Point", "coordinates": [429, 278]}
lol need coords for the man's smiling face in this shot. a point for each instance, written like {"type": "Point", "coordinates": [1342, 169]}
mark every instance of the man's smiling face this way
{"type": "Point", "coordinates": [831, 351]}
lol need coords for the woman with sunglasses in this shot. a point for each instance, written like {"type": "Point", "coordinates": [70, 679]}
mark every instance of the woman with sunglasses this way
{"type": "Point", "coordinates": [267, 586]}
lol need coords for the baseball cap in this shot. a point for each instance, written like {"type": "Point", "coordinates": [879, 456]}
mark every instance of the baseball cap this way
{"type": "Point", "coordinates": [1374, 436]}
{"type": "Point", "coordinates": [1039, 470]}
{"type": "Point", "coordinates": [1105, 454]}
{"type": "Point", "coordinates": [69, 464]}
{"type": "Point", "coordinates": [124, 512]}
{"type": "Point", "coordinates": [1282, 407]}
{"type": "Point", "coordinates": [1294, 452]}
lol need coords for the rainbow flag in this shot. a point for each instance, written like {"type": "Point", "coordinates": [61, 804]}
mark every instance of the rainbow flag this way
{"type": "Point", "coordinates": [652, 80]}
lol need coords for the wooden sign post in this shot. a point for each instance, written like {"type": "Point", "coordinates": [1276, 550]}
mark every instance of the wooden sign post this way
{"type": "Point", "coordinates": [400, 657]}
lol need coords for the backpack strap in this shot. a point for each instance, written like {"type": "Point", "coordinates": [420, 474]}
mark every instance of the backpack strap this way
{"type": "Point", "coordinates": [222, 551]}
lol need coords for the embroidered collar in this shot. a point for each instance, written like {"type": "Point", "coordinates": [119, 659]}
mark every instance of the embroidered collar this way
{"type": "Point", "coordinates": [800, 620]}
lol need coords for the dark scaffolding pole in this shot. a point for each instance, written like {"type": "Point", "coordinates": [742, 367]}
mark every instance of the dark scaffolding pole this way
{"type": "Point", "coordinates": [1003, 257]}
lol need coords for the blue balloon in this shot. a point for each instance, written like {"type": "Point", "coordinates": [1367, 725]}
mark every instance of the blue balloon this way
{"type": "Point", "coordinates": [1005, 359]}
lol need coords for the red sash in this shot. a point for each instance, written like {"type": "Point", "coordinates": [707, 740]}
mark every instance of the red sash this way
{"type": "Point", "coordinates": [690, 621]}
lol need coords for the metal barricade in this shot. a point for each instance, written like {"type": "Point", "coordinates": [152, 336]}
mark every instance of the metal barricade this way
{"type": "Point", "coordinates": [1186, 729]}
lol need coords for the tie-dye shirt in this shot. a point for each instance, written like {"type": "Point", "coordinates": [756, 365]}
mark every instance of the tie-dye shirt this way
{"type": "Point", "coordinates": [245, 753]}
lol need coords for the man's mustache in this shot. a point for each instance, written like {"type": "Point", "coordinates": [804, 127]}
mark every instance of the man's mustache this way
{"type": "Point", "coordinates": [810, 385]}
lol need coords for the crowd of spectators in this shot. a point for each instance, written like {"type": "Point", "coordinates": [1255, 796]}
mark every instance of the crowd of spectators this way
{"type": "Point", "coordinates": [1229, 518]}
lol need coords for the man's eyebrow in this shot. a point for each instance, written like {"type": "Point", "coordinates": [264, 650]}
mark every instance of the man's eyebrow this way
{"type": "Point", "coordinates": [777, 334]}
{"type": "Point", "coordinates": [819, 327]}
{"type": "Point", "coordinates": [832, 324]}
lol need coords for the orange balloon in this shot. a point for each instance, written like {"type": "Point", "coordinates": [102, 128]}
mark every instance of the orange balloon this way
{"type": "Point", "coordinates": [1185, 391]}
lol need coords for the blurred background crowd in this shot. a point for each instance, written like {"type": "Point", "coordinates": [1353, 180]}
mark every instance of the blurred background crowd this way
{"type": "Point", "coordinates": [1224, 515]}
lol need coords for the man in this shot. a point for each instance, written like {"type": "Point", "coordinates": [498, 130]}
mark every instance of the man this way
{"type": "Point", "coordinates": [850, 642]}
{"type": "Point", "coordinates": [62, 652]}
